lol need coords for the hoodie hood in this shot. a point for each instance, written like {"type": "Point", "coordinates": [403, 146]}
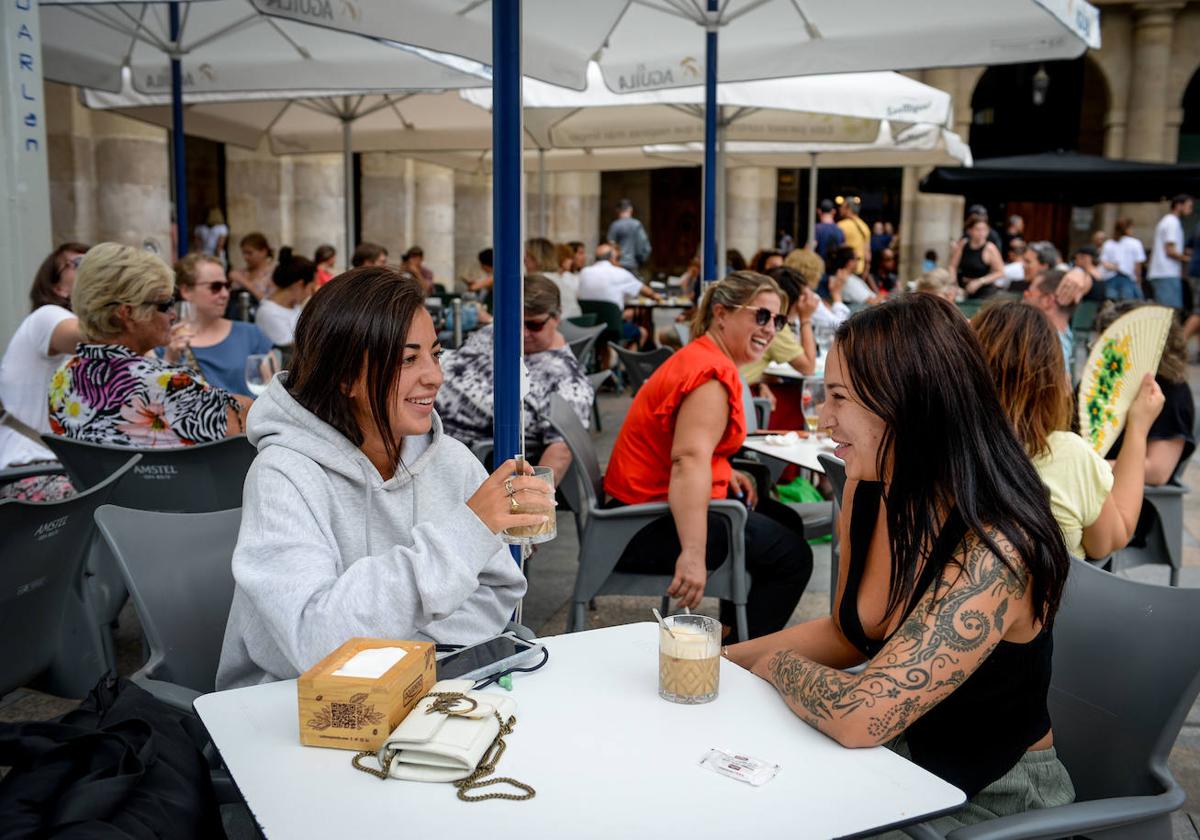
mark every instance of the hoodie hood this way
{"type": "Point", "coordinates": [276, 419]}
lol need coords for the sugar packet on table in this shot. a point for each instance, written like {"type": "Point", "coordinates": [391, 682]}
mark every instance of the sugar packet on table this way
{"type": "Point", "coordinates": [754, 771]}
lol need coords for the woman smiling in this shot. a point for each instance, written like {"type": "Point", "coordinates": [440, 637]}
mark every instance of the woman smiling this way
{"type": "Point", "coordinates": [361, 518]}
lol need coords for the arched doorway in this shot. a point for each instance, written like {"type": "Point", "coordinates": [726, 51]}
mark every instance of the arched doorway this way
{"type": "Point", "coordinates": [1189, 130]}
{"type": "Point", "coordinates": [1025, 109]}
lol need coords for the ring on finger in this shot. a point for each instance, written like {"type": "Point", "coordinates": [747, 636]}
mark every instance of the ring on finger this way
{"type": "Point", "coordinates": [508, 486]}
{"type": "Point", "coordinates": [513, 505]}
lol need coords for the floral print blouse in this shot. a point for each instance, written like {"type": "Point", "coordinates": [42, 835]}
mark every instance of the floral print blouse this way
{"type": "Point", "coordinates": [108, 394]}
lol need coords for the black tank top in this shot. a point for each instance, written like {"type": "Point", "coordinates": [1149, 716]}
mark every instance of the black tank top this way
{"type": "Point", "coordinates": [971, 266]}
{"type": "Point", "coordinates": [976, 734]}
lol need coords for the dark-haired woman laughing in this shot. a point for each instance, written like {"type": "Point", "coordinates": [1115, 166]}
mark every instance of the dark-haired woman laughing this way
{"type": "Point", "coordinates": [951, 576]}
{"type": "Point", "coordinates": [360, 518]}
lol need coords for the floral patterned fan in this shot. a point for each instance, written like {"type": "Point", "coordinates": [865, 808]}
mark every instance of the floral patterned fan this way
{"type": "Point", "coordinates": [1130, 348]}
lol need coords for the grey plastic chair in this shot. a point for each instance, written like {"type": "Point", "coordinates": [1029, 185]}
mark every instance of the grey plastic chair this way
{"type": "Point", "coordinates": [186, 479]}
{"type": "Point", "coordinates": [1117, 700]}
{"type": "Point", "coordinates": [1165, 538]}
{"type": "Point", "coordinates": [835, 471]}
{"type": "Point", "coordinates": [604, 533]}
{"type": "Point", "coordinates": [44, 622]}
{"type": "Point", "coordinates": [640, 366]}
{"type": "Point", "coordinates": [190, 479]}
{"type": "Point", "coordinates": [584, 346]}
{"type": "Point", "coordinates": [596, 380]}
{"type": "Point", "coordinates": [178, 569]}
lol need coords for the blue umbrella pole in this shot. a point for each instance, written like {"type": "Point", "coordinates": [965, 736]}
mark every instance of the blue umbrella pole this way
{"type": "Point", "coordinates": [710, 147]}
{"type": "Point", "coordinates": [178, 160]}
{"type": "Point", "coordinates": [506, 228]}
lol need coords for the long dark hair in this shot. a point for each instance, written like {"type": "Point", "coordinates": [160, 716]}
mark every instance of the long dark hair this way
{"type": "Point", "coordinates": [42, 293]}
{"type": "Point", "coordinates": [915, 363]}
{"type": "Point", "coordinates": [360, 319]}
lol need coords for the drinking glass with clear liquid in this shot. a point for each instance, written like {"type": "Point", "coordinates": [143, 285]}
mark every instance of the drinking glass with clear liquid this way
{"type": "Point", "coordinates": [532, 534]}
{"type": "Point", "coordinates": [813, 397]}
{"type": "Point", "coordinates": [260, 370]}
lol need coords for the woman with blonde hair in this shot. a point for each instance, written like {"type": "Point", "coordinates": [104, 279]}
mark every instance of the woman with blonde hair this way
{"type": "Point", "coordinates": [940, 282]}
{"type": "Point", "coordinates": [218, 345]}
{"type": "Point", "coordinates": [685, 423]}
{"type": "Point", "coordinates": [114, 390]}
{"type": "Point", "coordinates": [1096, 506]}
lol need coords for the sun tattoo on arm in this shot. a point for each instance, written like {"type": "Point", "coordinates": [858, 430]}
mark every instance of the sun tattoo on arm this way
{"type": "Point", "coordinates": [954, 627]}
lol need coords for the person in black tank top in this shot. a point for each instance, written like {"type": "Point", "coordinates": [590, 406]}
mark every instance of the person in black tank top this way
{"type": "Point", "coordinates": [976, 262]}
{"type": "Point", "coordinates": [952, 575]}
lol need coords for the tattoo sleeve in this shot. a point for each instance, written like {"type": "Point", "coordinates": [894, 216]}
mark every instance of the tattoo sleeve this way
{"type": "Point", "coordinates": [953, 628]}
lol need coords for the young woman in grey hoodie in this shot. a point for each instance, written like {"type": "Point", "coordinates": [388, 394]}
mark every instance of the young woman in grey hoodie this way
{"type": "Point", "coordinates": [359, 517]}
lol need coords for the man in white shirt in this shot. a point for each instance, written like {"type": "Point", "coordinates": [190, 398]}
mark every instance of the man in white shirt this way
{"type": "Point", "coordinates": [1166, 256]}
{"type": "Point", "coordinates": [604, 280]}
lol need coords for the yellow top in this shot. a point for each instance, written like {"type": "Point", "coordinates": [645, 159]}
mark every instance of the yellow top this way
{"type": "Point", "coordinates": [858, 237]}
{"type": "Point", "coordinates": [1079, 481]}
{"type": "Point", "coordinates": [783, 348]}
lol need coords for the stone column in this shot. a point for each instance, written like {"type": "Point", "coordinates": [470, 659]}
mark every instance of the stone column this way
{"type": "Point", "coordinates": [910, 258]}
{"type": "Point", "coordinates": [1147, 105]}
{"type": "Point", "coordinates": [71, 165]}
{"type": "Point", "coordinates": [255, 196]}
{"type": "Point", "coordinates": [472, 221]}
{"type": "Point", "coordinates": [750, 208]}
{"type": "Point", "coordinates": [133, 194]}
{"type": "Point", "coordinates": [384, 188]}
{"type": "Point", "coordinates": [316, 201]}
{"type": "Point", "coordinates": [433, 222]}
{"type": "Point", "coordinates": [574, 207]}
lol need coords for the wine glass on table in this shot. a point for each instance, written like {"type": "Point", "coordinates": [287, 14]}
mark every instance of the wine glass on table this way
{"type": "Point", "coordinates": [260, 370]}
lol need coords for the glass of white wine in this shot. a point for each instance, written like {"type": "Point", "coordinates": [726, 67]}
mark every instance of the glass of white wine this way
{"type": "Point", "coordinates": [813, 397]}
{"type": "Point", "coordinates": [260, 370]}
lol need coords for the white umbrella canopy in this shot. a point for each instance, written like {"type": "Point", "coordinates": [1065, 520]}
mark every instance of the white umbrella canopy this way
{"type": "Point", "coordinates": [302, 122]}
{"type": "Point", "coordinates": [224, 46]}
{"type": "Point", "coordinates": [845, 108]}
{"type": "Point", "coordinates": [646, 44]}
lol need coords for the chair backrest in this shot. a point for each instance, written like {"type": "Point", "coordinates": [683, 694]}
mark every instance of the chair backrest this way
{"type": "Point", "coordinates": [178, 569]}
{"type": "Point", "coordinates": [583, 343]}
{"type": "Point", "coordinates": [588, 320]}
{"type": "Point", "coordinates": [584, 463]}
{"type": "Point", "coordinates": [42, 549]}
{"type": "Point", "coordinates": [1083, 319]}
{"type": "Point", "coordinates": [1189, 449]}
{"type": "Point", "coordinates": [641, 366]}
{"type": "Point", "coordinates": [835, 470]}
{"type": "Point", "coordinates": [1126, 672]}
{"type": "Point", "coordinates": [608, 314]}
{"type": "Point", "coordinates": [187, 479]}
{"type": "Point", "coordinates": [969, 307]}
{"type": "Point", "coordinates": [684, 331]}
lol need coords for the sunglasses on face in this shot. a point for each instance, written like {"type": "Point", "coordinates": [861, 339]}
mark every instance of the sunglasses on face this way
{"type": "Point", "coordinates": [763, 316]}
{"type": "Point", "coordinates": [218, 286]}
{"type": "Point", "coordinates": [163, 306]}
{"type": "Point", "coordinates": [538, 326]}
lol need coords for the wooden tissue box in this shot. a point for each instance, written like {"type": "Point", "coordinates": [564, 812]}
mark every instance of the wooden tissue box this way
{"type": "Point", "coordinates": [359, 713]}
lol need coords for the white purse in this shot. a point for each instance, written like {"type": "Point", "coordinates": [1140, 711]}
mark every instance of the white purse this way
{"type": "Point", "coordinates": [454, 735]}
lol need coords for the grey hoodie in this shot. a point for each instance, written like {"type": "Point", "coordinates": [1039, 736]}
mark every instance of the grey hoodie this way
{"type": "Point", "coordinates": [328, 550]}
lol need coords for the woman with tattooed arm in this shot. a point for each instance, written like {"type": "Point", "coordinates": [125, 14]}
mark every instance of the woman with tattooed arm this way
{"type": "Point", "coordinates": [952, 570]}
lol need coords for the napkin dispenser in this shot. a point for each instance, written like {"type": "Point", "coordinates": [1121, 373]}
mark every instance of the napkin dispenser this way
{"type": "Point", "coordinates": [354, 697]}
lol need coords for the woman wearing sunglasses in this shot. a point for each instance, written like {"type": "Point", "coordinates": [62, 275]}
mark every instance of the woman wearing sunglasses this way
{"type": "Point", "coordinates": [685, 423]}
{"type": "Point", "coordinates": [219, 346]}
{"type": "Point", "coordinates": [114, 390]}
{"type": "Point", "coordinates": [465, 400]}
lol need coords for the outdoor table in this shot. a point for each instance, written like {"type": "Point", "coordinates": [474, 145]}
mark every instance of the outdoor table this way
{"type": "Point", "coordinates": [677, 302]}
{"type": "Point", "coordinates": [607, 757]}
{"type": "Point", "coordinates": [802, 453]}
{"type": "Point", "coordinates": [784, 371]}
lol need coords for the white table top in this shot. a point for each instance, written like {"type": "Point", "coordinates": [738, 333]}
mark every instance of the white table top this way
{"type": "Point", "coordinates": [783, 371]}
{"type": "Point", "coordinates": [608, 758]}
{"type": "Point", "coordinates": [678, 302]}
{"type": "Point", "coordinates": [802, 453]}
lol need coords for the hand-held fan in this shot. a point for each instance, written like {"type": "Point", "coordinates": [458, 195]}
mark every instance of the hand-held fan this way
{"type": "Point", "coordinates": [1130, 348]}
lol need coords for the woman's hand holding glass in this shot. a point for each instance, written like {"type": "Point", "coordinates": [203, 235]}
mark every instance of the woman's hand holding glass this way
{"type": "Point", "coordinates": [494, 504]}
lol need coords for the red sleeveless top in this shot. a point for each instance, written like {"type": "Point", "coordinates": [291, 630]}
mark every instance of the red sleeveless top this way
{"type": "Point", "coordinates": [640, 467]}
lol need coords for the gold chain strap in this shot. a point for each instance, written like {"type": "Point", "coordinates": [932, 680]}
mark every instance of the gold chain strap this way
{"type": "Point", "coordinates": [487, 764]}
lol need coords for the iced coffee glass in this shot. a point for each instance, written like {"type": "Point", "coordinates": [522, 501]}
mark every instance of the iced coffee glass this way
{"type": "Point", "coordinates": [689, 654]}
{"type": "Point", "coordinates": [531, 534]}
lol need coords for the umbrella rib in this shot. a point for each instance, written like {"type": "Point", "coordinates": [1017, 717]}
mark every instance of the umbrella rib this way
{"type": "Point", "coordinates": [813, 32]}
{"type": "Point", "coordinates": [396, 109]}
{"type": "Point", "coordinates": [670, 9]}
{"type": "Point", "coordinates": [749, 7]}
{"type": "Point", "coordinates": [221, 33]}
{"type": "Point", "coordinates": [321, 105]}
{"type": "Point", "coordinates": [275, 119]}
{"type": "Point", "coordinates": [374, 109]}
{"type": "Point", "coordinates": [470, 7]}
{"type": "Point", "coordinates": [136, 33]}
